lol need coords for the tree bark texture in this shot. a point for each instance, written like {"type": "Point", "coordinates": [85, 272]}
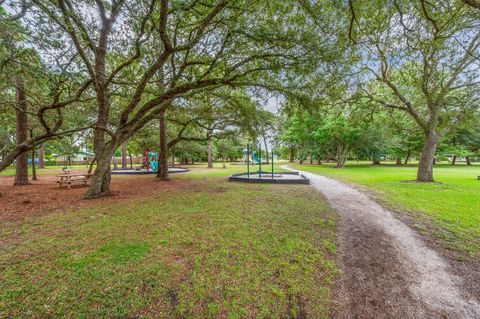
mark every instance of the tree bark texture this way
{"type": "Point", "coordinates": [425, 165]}
{"type": "Point", "coordinates": [124, 155]}
{"type": "Point", "coordinates": [162, 172]}
{"type": "Point", "coordinates": [292, 153]}
{"type": "Point", "coordinates": [41, 157]}
{"type": "Point", "coordinates": [210, 151]}
{"type": "Point", "coordinates": [341, 155]}
{"type": "Point", "coordinates": [21, 163]}
{"type": "Point", "coordinates": [34, 169]}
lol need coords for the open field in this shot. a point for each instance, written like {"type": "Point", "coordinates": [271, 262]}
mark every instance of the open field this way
{"type": "Point", "coordinates": [197, 248]}
{"type": "Point", "coordinates": [450, 209]}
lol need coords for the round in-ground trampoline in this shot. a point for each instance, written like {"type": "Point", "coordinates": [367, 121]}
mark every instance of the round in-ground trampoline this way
{"type": "Point", "coordinates": [269, 178]}
{"type": "Point", "coordinates": [263, 177]}
{"type": "Point", "coordinates": [142, 171]}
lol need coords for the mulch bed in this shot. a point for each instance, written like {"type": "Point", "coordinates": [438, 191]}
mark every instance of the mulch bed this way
{"type": "Point", "coordinates": [45, 196]}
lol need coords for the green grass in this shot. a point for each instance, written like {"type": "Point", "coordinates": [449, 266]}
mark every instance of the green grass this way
{"type": "Point", "coordinates": [47, 170]}
{"type": "Point", "coordinates": [200, 170]}
{"type": "Point", "coordinates": [214, 249]}
{"type": "Point", "coordinates": [450, 209]}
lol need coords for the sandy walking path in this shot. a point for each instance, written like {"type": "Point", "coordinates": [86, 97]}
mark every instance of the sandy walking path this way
{"type": "Point", "coordinates": [388, 272]}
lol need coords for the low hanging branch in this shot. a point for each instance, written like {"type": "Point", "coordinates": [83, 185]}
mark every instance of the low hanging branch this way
{"type": "Point", "coordinates": [50, 131]}
{"type": "Point", "coordinates": [35, 141]}
{"type": "Point", "coordinates": [353, 19]}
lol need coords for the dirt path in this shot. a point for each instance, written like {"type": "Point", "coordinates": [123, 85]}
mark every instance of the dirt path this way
{"type": "Point", "coordinates": [388, 272]}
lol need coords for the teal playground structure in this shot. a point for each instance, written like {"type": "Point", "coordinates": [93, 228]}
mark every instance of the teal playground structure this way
{"type": "Point", "coordinates": [150, 166]}
{"type": "Point", "coordinates": [256, 159]}
{"type": "Point", "coordinates": [151, 161]}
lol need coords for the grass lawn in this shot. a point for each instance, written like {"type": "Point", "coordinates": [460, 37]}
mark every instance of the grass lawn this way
{"type": "Point", "coordinates": [453, 204]}
{"type": "Point", "coordinates": [47, 170]}
{"type": "Point", "coordinates": [212, 250]}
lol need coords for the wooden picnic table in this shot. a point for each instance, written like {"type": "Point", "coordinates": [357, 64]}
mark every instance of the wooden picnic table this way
{"type": "Point", "coordinates": [69, 179]}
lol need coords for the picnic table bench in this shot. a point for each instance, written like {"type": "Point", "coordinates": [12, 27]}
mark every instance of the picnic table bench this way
{"type": "Point", "coordinates": [70, 179]}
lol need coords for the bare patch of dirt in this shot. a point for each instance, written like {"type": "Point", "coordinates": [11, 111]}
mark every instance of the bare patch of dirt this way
{"type": "Point", "coordinates": [45, 196]}
{"type": "Point", "coordinates": [374, 283]}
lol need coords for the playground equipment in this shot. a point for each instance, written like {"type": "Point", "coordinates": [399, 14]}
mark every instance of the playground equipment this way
{"type": "Point", "coordinates": [150, 161]}
{"type": "Point", "coordinates": [255, 159]}
{"type": "Point", "coordinates": [267, 177]}
{"type": "Point", "coordinates": [250, 157]}
{"type": "Point", "coordinates": [141, 171]}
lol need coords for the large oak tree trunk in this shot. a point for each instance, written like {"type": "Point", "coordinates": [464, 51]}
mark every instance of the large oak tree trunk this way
{"type": "Point", "coordinates": [100, 182]}
{"type": "Point", "coordinates": [41, 157]}
{"type": "Point", "coordinates": [162, 172]}
{"type": "Point", "coordinates": [21, 162]}
{"type": "Point", "coordinates": [425, 165]}
{"type": "Point", "coordinates": [399, 161]}
{"type": "Point", "coordinates": [124, 155]}
{"type": "Point", "coordinates": [292, 153]}
{"type": "Point", "coordinates": [101, 177]}
{"type": "Point", "coordinates": [340, 162]}
{"type": "Point", "coordinates": [341, 155]}
{"type": "Point", "coordinates": [210, 150]}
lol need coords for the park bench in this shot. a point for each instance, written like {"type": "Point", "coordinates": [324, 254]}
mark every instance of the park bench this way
{"type": "Point", "coordinates": [73, 179]}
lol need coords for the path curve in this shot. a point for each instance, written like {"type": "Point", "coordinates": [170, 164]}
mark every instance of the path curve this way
{"type": "Point", "coordinates": [388, 272]}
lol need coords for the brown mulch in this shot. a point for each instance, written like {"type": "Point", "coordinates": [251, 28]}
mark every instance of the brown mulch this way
{"type": "Point", "coordinates": [45, 196]}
